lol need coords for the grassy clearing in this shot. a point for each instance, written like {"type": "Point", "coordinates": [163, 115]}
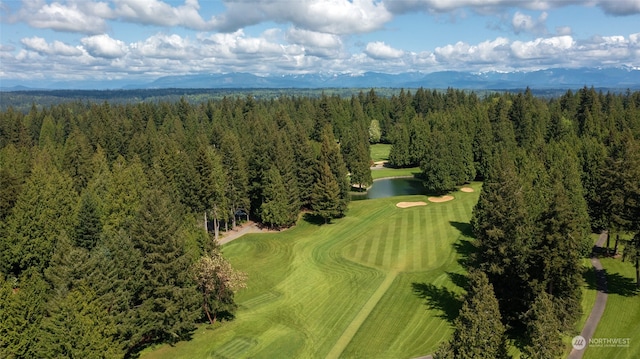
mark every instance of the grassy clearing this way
{"type": "Point", "coordinates": [380, 152]}
{"type": "Point", "coordinates": [381, 282]}
{"type": "Point", "coordinates": [621, 317]}
{"type": "Point", "coordinates": [394, 172]}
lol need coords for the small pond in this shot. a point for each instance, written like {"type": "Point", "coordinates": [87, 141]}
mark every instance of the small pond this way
{"type": "Point", "coordinates": [389, 187]}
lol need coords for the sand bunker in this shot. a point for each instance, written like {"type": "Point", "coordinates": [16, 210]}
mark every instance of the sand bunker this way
{"type": "Point", "coordinates": [466, 189]}
{"type": "Point", "coordinates": [379, 164]}
{"type": "Point", "coordinates": [410, 204]}
{"type": "Point", "coordinates": [440, 199]}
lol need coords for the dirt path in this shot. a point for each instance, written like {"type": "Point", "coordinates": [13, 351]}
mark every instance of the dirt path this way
{"type": "Point", "coordinates": [601, 300]}
{"type": "Point", "coordinates": [379, 165]}
{"type": "Point", "coordinates": [249, 227]}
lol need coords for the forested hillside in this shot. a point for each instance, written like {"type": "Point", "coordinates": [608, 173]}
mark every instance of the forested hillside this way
{"type": "Point", "coordinates": [109, 212]}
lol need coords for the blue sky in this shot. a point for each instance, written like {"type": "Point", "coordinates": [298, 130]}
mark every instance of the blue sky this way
{"type": "Point", "coordinates": [101, 40]}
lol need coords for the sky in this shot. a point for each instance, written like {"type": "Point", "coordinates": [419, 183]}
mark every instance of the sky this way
{"type": "Point", "coordinates": [102, 40]}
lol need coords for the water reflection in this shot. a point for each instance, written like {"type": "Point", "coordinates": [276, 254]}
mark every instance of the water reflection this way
{"type": "Point", "coordinates": [389, 187]}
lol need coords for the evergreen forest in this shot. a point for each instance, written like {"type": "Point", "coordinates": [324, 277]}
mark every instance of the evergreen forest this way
{"type": "Point", "coordinates": [110, 213]}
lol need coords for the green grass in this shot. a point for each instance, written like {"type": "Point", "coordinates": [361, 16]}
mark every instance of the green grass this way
{"type": "Point", "coordinates": [380, 152]}
{"type": "Point", "coordinates": [394, 172]}
{"type": "Point", "coordinates": [621, 318]}
{"type": "Point", "coordinates": [382, 282]}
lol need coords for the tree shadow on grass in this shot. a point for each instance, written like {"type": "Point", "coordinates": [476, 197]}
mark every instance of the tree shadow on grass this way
{"type": "Point", "coordinates": [464, 228]}
{"type": "Point", "coordinates": [459, 279]}
{"type": "Point", "coordinates": [466, 252]}
{"type": "Point", "coordinates": [464, 247]}
{"type": "Point", "coordinates": [312, 219]}
{"type": "Point", "coordinates": [441, 299]}
{"type": "Point", "coordinates": [615, 283]}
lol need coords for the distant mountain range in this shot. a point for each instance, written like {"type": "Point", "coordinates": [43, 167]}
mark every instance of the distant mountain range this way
{"type": "Point", "coordinates": [558, 78]}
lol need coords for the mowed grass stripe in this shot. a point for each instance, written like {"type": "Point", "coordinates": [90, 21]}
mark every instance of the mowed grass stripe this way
{"type": "Point", "coordinates": [424, 241]}
{"type": "Point", "coordinates": [435, 232]}
{"type": "Point", "coordinates": [442, 242]}
{"type": "Point", "coordinates": [397, 238]}
{"type": "Point", "coordinates": [419, 244]}
{"type": "Point", "coordinates": [235, 348]}
{"type": "Point", "coordinates": [373, 250]}
{"type": "Point", "coordinates": [366, 251]}
{"type": "Point", "coordinates": [352, 250]}
{"type": "Point", "coordinates": [456, 209]}
{"type": "Point", "coordinates": [401, 259]}
{"type": "Point", "coordinates": [391, 234]}
{"type": "Point", "coordinates": [382, 239]}
{"type": "Point", "coordinates": [410, 253]}
{"type": "Point", "coordinates": [355, 324]}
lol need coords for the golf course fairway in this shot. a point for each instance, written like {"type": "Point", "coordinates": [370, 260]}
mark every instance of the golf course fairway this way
{"type": "Point", "coordinates": [381, 282]}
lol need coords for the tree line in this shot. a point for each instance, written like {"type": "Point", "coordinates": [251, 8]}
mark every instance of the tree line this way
{"type": "Point", "coordinates": [109, 211]}
{"type": "Point", "coordinates": [554, 171]}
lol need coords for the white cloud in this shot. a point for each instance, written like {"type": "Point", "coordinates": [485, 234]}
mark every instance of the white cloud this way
{"type": "Point", "coordinates": [58, 48]}
{"type": "Point", "coordinates": [328, 16]}
{"type": "Point", "coordinates": [37, 44]}
{"type": "Point", "coordinates": [549, 48]}
{"type": "Point", "coordinates": [155, 12]}
{"type": "Point", "coordinates": [335, 17]}
{"type": "Point", "coordinates": [609, 49]}
{"type": "Point", "coordinates": [257, 46]}
{"type": "Point", "coordinates": [162, 46]}
{"type": "Point", "coordinates": [481, 6]}
{"type": "Point", "coordinates": [381, 51]}
{"type": "Point", "coordinates": [239, 47]}
{"type": "Point", "coordinates": [486, 52]}
{"type": "Point", "coordinates": [89, 17]}
{"type": "Point", "coordinates": [424, 59]}
{"type": "Point", "coordinates": [83, 17]}
{"type": "Point", "coordinates": [613, 7]}
{"type": "Point", "coordinates": [620, 7]}
{"type": "Point", "coordinates": [104, 46]}
{"type": "Point", "coordinates": [219, 45]}
{"type": "Point", "coordinates": [299, 51]}
{"type": "Point", "coordinates": [525, 23]}
{"type": "Point", "coordinates": [315, 43]}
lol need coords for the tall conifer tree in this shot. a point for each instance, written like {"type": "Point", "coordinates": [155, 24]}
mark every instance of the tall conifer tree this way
{"type": "Point", "coordinates": [325, 197]}
{"type": "Point", "coordinates": [503, 230]}
{"type": "Point", "coordinates": [274, 210]}
{"type": "Point", "coordinates": [479, 332]}
{"type": "Point", "coordinates": [167, 301]}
